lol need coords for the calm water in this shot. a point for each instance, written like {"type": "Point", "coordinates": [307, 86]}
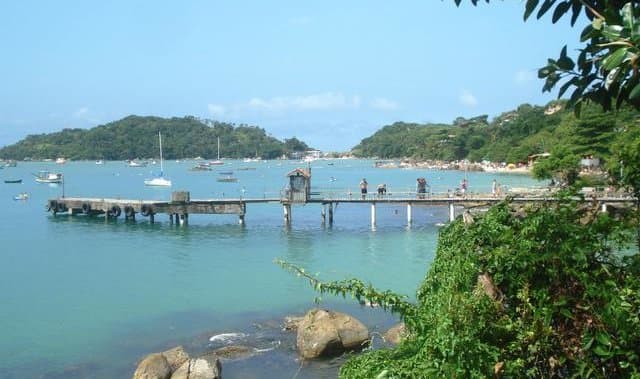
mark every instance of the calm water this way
{"type": "Point", "coordinates": [85, 298]}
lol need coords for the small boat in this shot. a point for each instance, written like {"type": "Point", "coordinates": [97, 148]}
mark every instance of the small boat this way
{"type": "Point", "coordinates": [99, 162]}
{"type": "Point", "coordinates": [246, 168]}
{"type": "Point", "coordinates": [61, 160]}
{"type": "Point", "coordinates": [13, 181]}
{"type": "Point", "coordinates": [10, 163]}
{"type": "Point", "coordinates": [21, 196]}
{"type": "Point", "coordinates": [159, 181]}
{"type": "Point", "coordinates": [136, 163]}
{"type": "Point", "coordinates": [228, 173]}
{"type": "Point", "coordinates": [227, 179]}
{"type": "Point", "coordinates": [217, 162]}
{"type": "Point", "coordinates": [202, 166]}
{"type": "Point", "coordinates": [48, 177]}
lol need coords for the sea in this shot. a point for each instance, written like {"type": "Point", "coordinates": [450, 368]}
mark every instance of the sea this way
{"type": "Point", "coordinates": [85, 297]}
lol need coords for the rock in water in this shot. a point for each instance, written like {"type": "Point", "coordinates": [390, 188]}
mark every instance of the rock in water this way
{"type": "Point", "coordinates": [176, 357]}
{"type": "Point", "coordinates": [207, 367]}
{"type": "Point", "coordinates": [153, 366]}
{"type": "Point", "coordinates": [325, 333]}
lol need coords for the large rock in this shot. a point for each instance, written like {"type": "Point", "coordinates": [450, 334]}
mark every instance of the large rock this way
{"type": "Point", "coordinates": [396, 334]}
{"type": "Point", "coordinates": [206, 367]}
{"type": "Point", "coordinates": [153, 366]}
{"type": "Point", "coordinates": [325, 333]}
{"type": "Point", "coordinates": [175, 357]}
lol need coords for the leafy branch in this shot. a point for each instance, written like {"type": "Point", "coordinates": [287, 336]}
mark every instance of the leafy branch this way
{"type": "Point", "coordinates": [360, 291]}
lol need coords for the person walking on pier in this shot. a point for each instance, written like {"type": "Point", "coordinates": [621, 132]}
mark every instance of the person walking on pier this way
{"type": "Point", "coordinates": [363, 188]}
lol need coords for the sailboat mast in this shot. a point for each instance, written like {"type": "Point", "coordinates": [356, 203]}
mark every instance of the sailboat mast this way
{"type": "Point", "coordinates": [161, 165]}
{"type": "Point", "coordinates": [218, 148]}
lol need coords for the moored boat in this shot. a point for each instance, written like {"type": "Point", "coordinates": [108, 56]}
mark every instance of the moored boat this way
{"type": "Point", "coordinates": [21, 196]}
{"type": "Point", "coordinates": [159, 181]}
{"type": "Point", "coordinates": [45, 176]}
{"type": "Point", "coordinates": [13, 181]}
{"type": "Point", "coordinates": [227, 179]}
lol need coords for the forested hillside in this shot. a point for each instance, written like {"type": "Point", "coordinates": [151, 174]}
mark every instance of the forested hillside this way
{"type": "Point", "coordinates": [137, 137]}
{"type": "Point", "coordinates": [510, 137]}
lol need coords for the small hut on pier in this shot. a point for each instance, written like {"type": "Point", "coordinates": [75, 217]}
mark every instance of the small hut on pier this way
{"type": "Point", "coordinates": [299, 190]}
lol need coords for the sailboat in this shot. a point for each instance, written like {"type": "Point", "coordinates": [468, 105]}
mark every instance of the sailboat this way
{"type": "Point", "coordinates": [159, 181]}
{"type": "Point", "coordinates": [217, 162]}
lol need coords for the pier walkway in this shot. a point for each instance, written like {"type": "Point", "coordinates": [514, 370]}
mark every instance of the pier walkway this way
{"type": "Point", "coordinates": [181, 205]}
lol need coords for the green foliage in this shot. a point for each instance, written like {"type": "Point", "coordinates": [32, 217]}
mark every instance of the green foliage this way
{"type": "Point", "coordinates": [136, 137]}
{"type": "Point", "coordinates": [560, 301]}
{"type": "Point", "coordinates": [511, 137]}
{"type": "Point", "coordinates": [562, 165]}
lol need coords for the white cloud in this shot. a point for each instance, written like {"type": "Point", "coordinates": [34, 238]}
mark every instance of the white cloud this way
{"type": "Point", "coordinates": [383, 104]}
{"type": "Point", "coordinates": [81, 113]}
{"type": "Point", "coordinates": [524, 76]}
{"type": "Point", "coordinates": [322, 101]}
{"type": "Point", "coordinates": [467, 98]}
{"type": "Point", "coordinates": [216, 110]}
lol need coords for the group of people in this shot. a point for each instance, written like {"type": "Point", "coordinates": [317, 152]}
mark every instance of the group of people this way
{"type": "Point", "coordinates": [421, 188]}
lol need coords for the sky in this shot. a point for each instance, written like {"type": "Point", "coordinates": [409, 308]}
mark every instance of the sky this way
{"type": "Point", "coordinates": [329, 73]}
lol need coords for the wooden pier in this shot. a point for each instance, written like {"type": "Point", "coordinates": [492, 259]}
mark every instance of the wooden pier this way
{"type": "Point", "coordinates": [181, 205]}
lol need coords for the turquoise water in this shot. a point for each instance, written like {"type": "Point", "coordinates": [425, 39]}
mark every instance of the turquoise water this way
{"type": "Point", "coordinates": [81, 295]}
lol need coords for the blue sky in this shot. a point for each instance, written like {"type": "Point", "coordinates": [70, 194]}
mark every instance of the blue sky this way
{"type": "Point", "coordinates": [329, 73]}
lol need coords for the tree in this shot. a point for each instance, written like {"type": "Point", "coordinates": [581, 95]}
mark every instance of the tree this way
{"type": "Point", "coordinates": [606, 68]}
{"type": "Point", "coordinates": [562, 165]}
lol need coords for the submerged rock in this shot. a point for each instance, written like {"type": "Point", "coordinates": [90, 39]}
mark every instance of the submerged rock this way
{"type": "Point", "coordinates": [153, 366]}
{"type": "Point", "coordinates": [233, 352]}
{"type": "Point", "coordinates": [325, 333]}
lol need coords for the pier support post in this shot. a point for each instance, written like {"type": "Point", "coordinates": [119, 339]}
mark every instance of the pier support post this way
{"type": "Point", "coordinates": [151, 218]}
{"type": "Point", "coordinates": [373, 214]}
{"type": "Point", "coordinates": [241, 219]}
{"type": "Point", "coordinates": [604, 208]}
{"type": "Point", "coordinates": [452, 212]}
{"type": "Point", "coordinates": [330, 213]}
{"type": "Point", "coordinates": [287, 214]}
{"type": "Point", "coordinates": [323, 213]}
{"type": "Point", "coordinates": [409, 214]}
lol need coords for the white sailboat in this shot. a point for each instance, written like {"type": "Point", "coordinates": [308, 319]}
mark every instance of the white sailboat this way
{"type": "Point", "coordinates": [159, 181]}
{"type": "Point", "coordinates": [217, 162]}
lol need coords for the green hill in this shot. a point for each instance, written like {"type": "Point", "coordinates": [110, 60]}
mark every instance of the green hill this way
{"type": "Point", "coordinates": [137, 137]}
{"type": "Point", "coordinates": [510, 137]}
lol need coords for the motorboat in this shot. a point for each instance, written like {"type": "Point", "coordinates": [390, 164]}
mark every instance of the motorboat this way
{"type": "Point", "coordinates": [201, 166]}
{"type": "Point", "coordinates": [227, 179]}
{"type": "Point", "coordinates": [13, 181]}
{"type": "Point", "coordinates": [136, 163]}
{"type": "Point", "coordinates": [99, 162]}
{"type": "Point", "coordinates": [45, 176]}
{"type": "Point", "coordinates": [61, 160]}
{"type": "Point", "coordinates": [21, 196]}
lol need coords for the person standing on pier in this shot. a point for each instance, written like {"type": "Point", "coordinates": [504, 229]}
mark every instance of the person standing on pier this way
{"type": "Point", "coordinates": [464, 186]}
{"type": "Point", "coordinates": [363, 188]}
{"type": "Point", "coordinates": [421, 187]}
{"type": "Point", "coordinates": [494, 188]}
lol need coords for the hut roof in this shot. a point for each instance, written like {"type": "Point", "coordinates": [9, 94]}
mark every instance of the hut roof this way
{"type": "Point", "coordinates": [299, 172]}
